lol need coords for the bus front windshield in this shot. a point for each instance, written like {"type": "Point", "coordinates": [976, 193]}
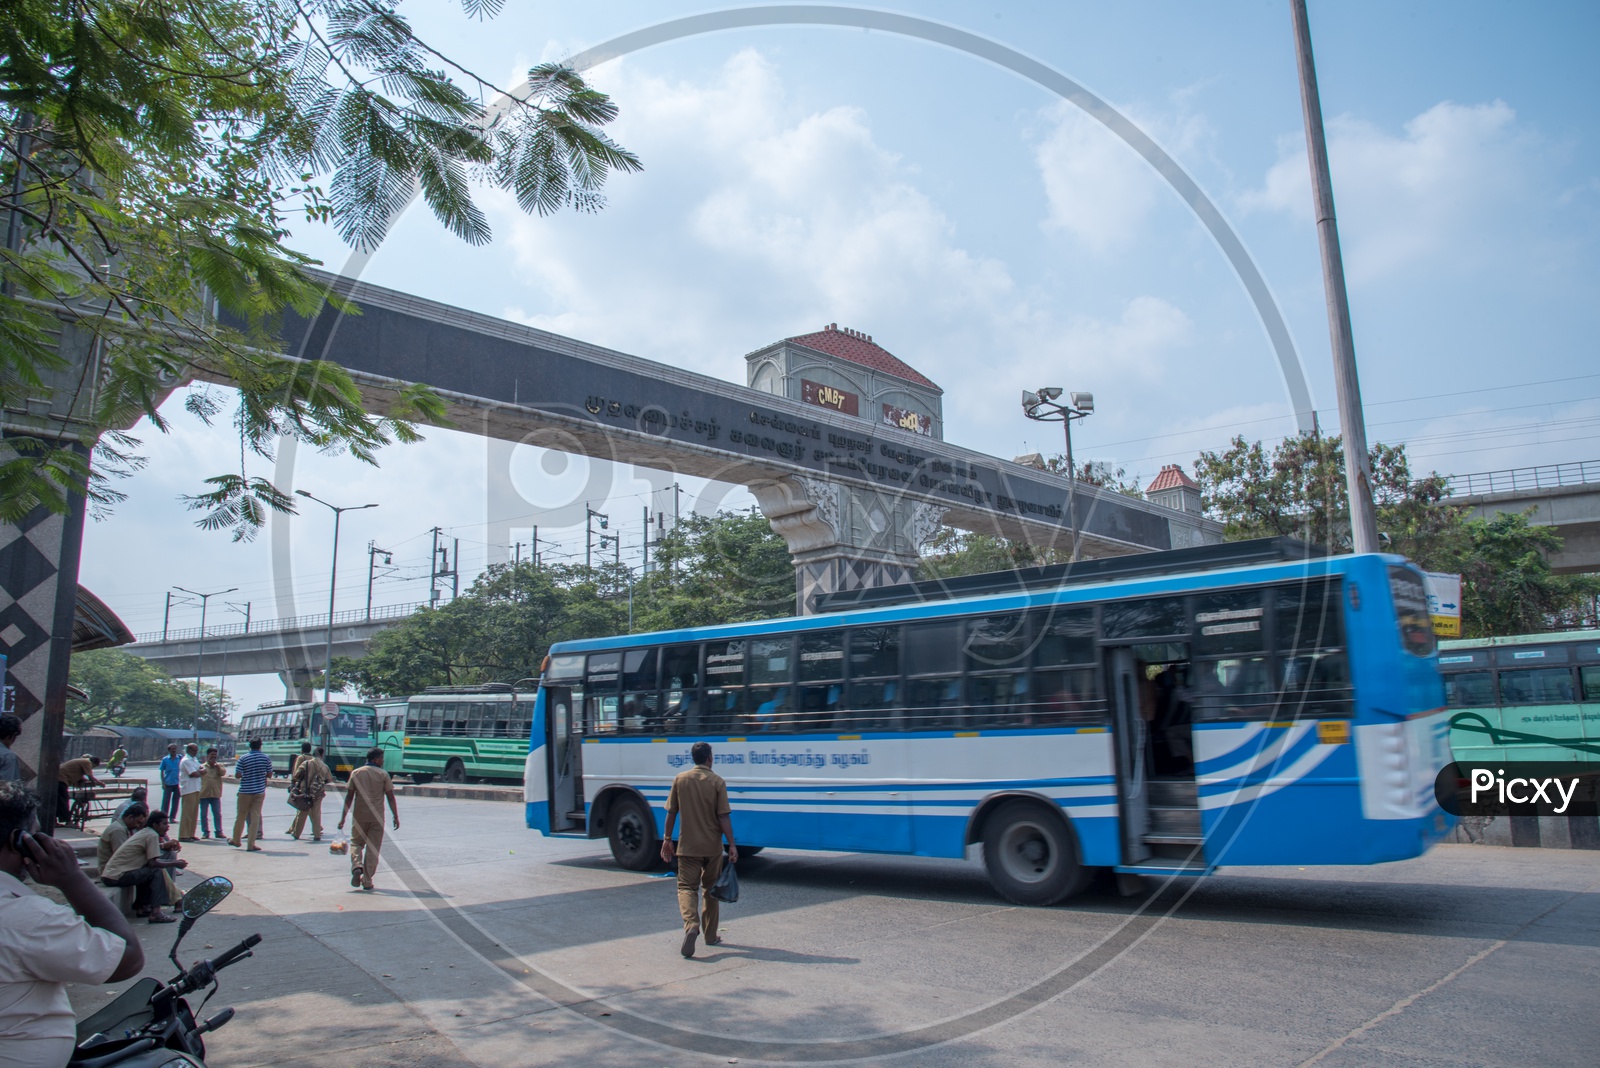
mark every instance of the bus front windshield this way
{"type": "Point", "coordinates": [351, 728]}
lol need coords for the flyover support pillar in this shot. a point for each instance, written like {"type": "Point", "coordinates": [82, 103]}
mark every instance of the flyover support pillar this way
{"type": "Point", "coordinates": [297, 683]}
{"type": "Point", "coordinates": [843, 538]}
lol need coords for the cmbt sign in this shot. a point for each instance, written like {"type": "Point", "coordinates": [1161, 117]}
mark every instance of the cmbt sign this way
{"type": "Point", "coordinates": [830, 397]}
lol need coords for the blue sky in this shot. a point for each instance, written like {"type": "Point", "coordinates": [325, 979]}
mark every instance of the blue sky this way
{"type": "Point", "coordinates": [995, 239]}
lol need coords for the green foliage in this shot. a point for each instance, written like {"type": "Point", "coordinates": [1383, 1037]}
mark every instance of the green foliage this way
{"type": "Point", "coordinates": [953, 553]}
{"type": "Point", "coordinates": [1507, 586]}
{"type": "Point", "coordinates": [1298, 490]}
{"type": "Point", "coordinates": [718, 569]}
{"type": "Point", "coordinates": [150, 154]}
{"type": "Point", "coordinates": [122, 690]}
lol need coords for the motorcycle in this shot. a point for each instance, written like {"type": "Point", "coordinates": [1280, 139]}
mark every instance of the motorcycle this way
{"type": "Point", "coordinates": [151, 1025]}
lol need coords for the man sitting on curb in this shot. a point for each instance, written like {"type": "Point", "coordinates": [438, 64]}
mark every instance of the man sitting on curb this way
{"type": "Point", "coordinates": [45, 946]}
{"type": "Point", "coordinates": [140, 863]}
{"type": "Point", "coordinates": [130, 819]}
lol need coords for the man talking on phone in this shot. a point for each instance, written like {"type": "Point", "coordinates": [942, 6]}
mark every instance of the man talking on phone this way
{"type": "Point", "coordinates": [44, 946]}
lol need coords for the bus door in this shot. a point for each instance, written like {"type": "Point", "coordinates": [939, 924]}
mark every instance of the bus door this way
{"type": "Point", "coordinates": [1130, 733]}
{"type": "Point", "coordinates": [566, 759]}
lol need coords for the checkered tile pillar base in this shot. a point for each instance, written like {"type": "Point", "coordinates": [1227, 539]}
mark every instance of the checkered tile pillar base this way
{"type": "Point", "coordinates": [38, 596]}
{"type": "Point", "coordinates": [817, 577]}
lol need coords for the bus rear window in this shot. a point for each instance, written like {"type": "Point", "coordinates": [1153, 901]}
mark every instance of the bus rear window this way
{"type": "Point", "coordinates": [1411, 611]}
{"type": "Point", "coordinates": [1532, 686]}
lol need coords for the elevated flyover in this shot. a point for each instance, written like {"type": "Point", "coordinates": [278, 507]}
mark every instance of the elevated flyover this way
{"type": "Point", "coordinates": [294, 649]}
{"type": "Point", "coordinates": [1563, 496]}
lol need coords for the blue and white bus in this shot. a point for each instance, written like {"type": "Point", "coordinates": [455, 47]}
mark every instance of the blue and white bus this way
{"type": "Point", "coordinates": [1160, 714]}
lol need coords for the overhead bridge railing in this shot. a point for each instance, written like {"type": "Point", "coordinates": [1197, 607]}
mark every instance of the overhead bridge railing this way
{"type": "Point", "coordinates": [278, 626]}
{"type": "Point", "coordinates": [1520, 479]}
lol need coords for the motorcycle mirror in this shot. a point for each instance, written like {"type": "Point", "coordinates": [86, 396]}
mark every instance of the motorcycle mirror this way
{"type": "Point", "coordinates": [205, 897]}
{"type": "Point", "coordinates": [196, 903]}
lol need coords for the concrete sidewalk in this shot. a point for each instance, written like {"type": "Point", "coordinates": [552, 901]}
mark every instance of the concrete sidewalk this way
{"type": "Point", "coordinates": [300, 1004]}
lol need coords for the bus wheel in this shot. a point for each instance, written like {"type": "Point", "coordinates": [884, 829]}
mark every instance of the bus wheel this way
{"type": "Point", "coordinates": [454, 772]}
{"type": "Point", "coordinates": [632, 833]}
{"type": "Point", "coordinates": [1031, 854]}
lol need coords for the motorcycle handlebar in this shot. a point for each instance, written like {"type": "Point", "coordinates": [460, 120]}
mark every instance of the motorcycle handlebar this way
{"type": "Point", "coordinates": [237, 953]}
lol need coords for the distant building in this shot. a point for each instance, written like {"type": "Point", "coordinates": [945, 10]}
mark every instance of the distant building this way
{"type": "Point", "coordinates": [1174, 489]}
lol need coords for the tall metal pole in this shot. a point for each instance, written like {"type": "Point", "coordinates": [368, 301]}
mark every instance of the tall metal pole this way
{"type": "Point", "coordinates": [645, 567]}
{"type": "Point", "coordinates": [166, 616]}
{"type": "Point", "coordinates": [1072, 492]}
{"type": "Point", "coordinates": [1352, 422]}
{"type": "Point", "coordinates": [200, 654]}
{"type": "Point", "coordinates": [333, 583]}
{"type": "Point", "coordinates": [455, 573]}
{"type": "Point", "coordinates": [534, 549]}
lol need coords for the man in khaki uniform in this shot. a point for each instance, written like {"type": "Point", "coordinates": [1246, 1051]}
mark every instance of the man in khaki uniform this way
{"type": "Point", "coordinates": [366, 790]}
{"type": "Point", "coordinates": [699, 798]}
{"type": "Point", "coordinates": [117, 831]}
{"type": "Point", "coordinates": [310, 777]}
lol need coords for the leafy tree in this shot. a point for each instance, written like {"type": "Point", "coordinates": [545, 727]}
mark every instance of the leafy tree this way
{"type": "Point", "coordinates": [719, 569]}
{"type": "Point", "coordinates": [952, 553]}
{"type": "Point", "coordinates": [1507, 586]}
{"type": "Point", "coordinates": [1298, 490]}
{"type": "Point", "coordinates": [150, 154]}
{"type": "Point", "coordinates": [725, 568]}
{"type": "Point", "coordinates": [123, 690]}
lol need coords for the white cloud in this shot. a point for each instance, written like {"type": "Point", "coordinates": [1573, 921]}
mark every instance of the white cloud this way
{"type": "Point", "coordinates": [1424, 195]}
{"type": "Point", "coordinates": [1097, 189]}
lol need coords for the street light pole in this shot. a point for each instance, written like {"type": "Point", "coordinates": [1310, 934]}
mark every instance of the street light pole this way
{"type": "Point", "coordinates": [200, 655]}
{"type": "Point", "coordinates": [1044, 407]}
{"type": "Point", "coordinates": [333, 583]}
{"type": "Point", "coordinates": [1352, 422]}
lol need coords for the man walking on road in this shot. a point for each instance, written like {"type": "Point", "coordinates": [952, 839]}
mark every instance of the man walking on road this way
{"type": "Point", "coordinates": [310, 778]}
{"type": "Point", "coordinates": [699, 798]}
{"type": "Point", "coordinates": [171, 782]}
{"type": "Point", "coordinates": [211, 774]}
{"type": "Point", "coordinates": [189, 788]}
{"type": "Point", "coordinates": [366, 790]}
{"type": "Point", "coordinates": [253, 769]}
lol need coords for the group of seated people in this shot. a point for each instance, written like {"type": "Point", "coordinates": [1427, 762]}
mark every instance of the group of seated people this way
{"type": "Point", "coordinates": [135, 851]}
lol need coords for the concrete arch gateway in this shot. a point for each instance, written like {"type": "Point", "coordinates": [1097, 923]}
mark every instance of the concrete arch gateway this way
{"type": "Point", "coordinates": [812, 513]}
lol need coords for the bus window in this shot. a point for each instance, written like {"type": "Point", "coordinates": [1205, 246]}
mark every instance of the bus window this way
{"type": "Point", "coordinates": [600, 714]}
{"type": "Point", "coordinates": [771, 661]}
{"type": "Point", "coordinates": [929, 703]}
{"type": "Point", "coordinates": [604, 670]}
{"type": "Point", "coordinates": [680, 667]}
{"type": "Point", "coordinates": [1151, 618]}
{"type": "Point", "coordinates": [723, 707]}
{"type": "Point", "coordinates": [641, 712]}
{"type": "Point", "coordinates": [998, 643]}
{"type": "Point", "coordinates": [999, 699]}
{"type": "Point", "coordinates": [1064, 636]}
{"type": "Point", "coordinates": [933, 648]}
{"type": "Point", "coordinates": [769, 708]}
{"type": "Point", "coordinates": [1229, 622]}
{"type": "Point", "coordinates": [1591, 683]}
{"type": "Point", "coordinates": [1308, 616]}
{"type": "Point", "coordinates": [725, 664]}
{"type": "Point", "coordinates": [875, 652]}
{"type": "Point", "coordinates": [1060, 693]}
{"type": "Point", "coordinates": [639, 670]}
{"type": "Point", "coordinates": [1469, 689]}
{"type": "Point", "coordinates": [822, 670]}
{"type": "Point", "coordinates": [1235, 687]}
{"type": "Point", "coordinates": [872, 704]}
{"type": "Point", "coordinates": [1531, 686]}
{"type": "Point", "coordinates": [1411, 611]}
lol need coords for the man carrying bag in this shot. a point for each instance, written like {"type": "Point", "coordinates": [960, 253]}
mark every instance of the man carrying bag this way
{"type": "Point", "coordinates": [700, 798]}
{"type": "Point", "coordinates": [307, 787]}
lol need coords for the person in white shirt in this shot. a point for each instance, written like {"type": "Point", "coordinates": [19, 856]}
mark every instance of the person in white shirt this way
{"type": "Point", "coordinates": [44, 946]}
{"type": "Point", "coordinates": [189, 792]}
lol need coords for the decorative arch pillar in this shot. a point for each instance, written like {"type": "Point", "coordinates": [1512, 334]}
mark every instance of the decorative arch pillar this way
{"type": "Point", "coordinates": [845, 538]}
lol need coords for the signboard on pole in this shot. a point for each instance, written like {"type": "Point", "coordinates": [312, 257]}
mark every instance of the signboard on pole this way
{"type": "Point", "coordinates": [1444, 603]}
{"type": "Point", "coordinates": [330, 711]}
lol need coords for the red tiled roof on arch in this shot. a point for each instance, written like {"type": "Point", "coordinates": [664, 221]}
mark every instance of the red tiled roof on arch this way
{"type": "Point", "coordinates": [1171, 477]}
{"type": "Point", "coordinates": [859, 348]}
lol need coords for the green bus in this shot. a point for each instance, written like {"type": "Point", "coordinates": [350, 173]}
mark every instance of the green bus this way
{"type": "Point", "coordinates": [1525, 697]}
{"type": "Point", "coordinates": [346, 735]}
{"type": "Point", "coordinates": [456, 733]}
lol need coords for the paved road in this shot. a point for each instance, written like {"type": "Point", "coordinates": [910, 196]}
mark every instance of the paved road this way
{"type": "Point", "coordinates": [492, 946]}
